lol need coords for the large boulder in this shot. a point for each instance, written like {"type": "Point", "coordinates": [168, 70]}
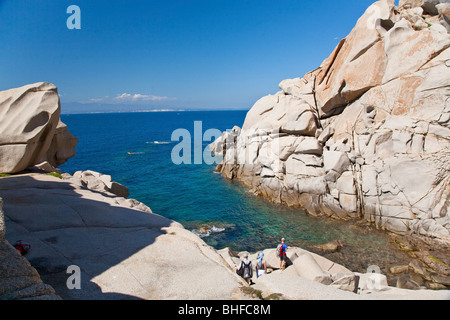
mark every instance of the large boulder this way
{"type": "Point", "coordinates": [365, 135]}
{"type": "Point", "coordinates": [18, 279]}
{"type": "Point", "coordinates": [62, 147]}
{"type": "Point", "coordinates": [99, 182]}
{"type": "Point", "coordinates": [30, 128]}
{"type": "Point", "coordinates": [307, 267]}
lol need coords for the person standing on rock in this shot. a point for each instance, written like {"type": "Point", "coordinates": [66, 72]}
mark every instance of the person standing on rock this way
{"type": "Point", "coordinates": [282, 247]}
{"type": "Point", "coordinates": [245, 269]}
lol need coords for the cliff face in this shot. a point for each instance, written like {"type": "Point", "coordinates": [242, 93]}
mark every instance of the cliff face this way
{"type": "Point", "coordinates": [365, 135]}
{"type": "Point", "coordinates": [31, 131]}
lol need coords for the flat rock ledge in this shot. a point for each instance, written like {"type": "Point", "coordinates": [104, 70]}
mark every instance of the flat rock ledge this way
{"type": "Point", "coordinates": [124, 251]}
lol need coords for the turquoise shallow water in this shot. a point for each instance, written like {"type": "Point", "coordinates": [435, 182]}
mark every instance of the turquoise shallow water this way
{"type": "Point", "coordinates": [196, 196]}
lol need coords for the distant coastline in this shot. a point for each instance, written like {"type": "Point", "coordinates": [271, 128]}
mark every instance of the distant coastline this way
{"type": "Point", "coordinates": [150, 111]}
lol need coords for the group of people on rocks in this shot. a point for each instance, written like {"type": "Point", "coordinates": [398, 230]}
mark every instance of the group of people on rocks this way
{"type": "Point", "coordinates": [245, 269]}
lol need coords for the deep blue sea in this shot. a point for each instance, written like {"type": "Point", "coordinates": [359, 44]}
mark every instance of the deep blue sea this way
{"type": "Point", "coordinates": [135, 149]}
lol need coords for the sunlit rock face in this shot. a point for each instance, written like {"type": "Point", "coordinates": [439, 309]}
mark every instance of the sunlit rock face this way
{"type": "Point", "coordinates": [365, 135]}
{"type": "Point", "coordinates": [31, 131]}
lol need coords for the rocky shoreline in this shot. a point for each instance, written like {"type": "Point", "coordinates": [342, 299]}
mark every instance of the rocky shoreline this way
{"type": "Point", "coordinates": [340, 144]}
{"type": "Point", "coordinates": [429, 264]}
{"type": "Point", "coordinates": [57, 242]}
{"type": "Point", "coordinates": [413, 259]}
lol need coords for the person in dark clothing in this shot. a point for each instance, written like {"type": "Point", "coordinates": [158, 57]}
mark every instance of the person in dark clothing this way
{"type": "Point", "coordinates": [245, 269]}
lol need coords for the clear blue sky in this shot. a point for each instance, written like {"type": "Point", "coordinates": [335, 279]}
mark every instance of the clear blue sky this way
{"type": "Point", "coordinates": [182, 54]}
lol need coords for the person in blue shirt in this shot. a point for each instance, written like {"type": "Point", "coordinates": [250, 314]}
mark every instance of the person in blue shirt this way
{"type": "Point", "coordinates": [283, 256]}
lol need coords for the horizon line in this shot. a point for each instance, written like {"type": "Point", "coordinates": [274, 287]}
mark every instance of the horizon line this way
{"type": "Point", "coordinates": [152, 111]}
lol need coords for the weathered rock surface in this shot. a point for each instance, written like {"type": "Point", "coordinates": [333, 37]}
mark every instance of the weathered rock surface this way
{"type": "Point", "coordinates": [312, 277]}
{"type": "Point", "coordinates": [2, 221]}
{"type": "Point", "coordinates": [31, 131]}
{"type": "Point", "coordinates": [100, 182]}
{"type": "Point", "coordinates": [122, 251]}
{"type": "Point", "coordinates": [379, 145]}
{"type": "Point", "coordinates": [18, 279]}
{"type": "Point", "coordinates": [332, 246]}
